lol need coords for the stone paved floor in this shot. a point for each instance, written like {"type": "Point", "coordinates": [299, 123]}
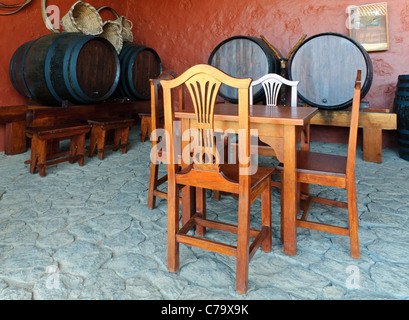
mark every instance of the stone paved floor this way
{"type": "Point", "coordinates": [86, 233]}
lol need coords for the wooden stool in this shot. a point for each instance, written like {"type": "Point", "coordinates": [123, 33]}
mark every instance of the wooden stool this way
{"type": "Point", "coordinates": [146, 124]}
{"type": "Point", "coordinates": [99, 134]}
{"type": "Point", "coordinates": [42, 140]}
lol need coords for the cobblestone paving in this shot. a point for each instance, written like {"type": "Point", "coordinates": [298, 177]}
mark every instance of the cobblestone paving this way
{"type": "Point", "coordinates": [86, 233]}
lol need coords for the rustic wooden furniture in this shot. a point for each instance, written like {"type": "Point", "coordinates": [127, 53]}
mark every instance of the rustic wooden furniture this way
{"type": "Point", "coordinates": [98, 137]}
{"type": "Point", "coordinates": [42, 136]}
{"type": "Point", "coordinates": [206, 172]}
{"type": "Point", "coordinates": [272, 84]}
{"type": "Point", "coordinates": [335, 171]}
{"type": "Point", "coordinates": [17, 118]}
{"type": "Point", "coordinates": [155, 117]}
{"type": "Point", "coordinates": [372, 122]}
{"type": "Point", "coordinates": [146, 125]}
{"type": "Point", "coordinates": [59, 115]}
{"type": "Point", "coordinates": [279, 128]}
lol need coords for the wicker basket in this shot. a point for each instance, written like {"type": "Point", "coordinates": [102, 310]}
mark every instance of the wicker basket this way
{"type": "Point", "coordinates": [84, 18]}
{"type": "Point", "coordinates": [126, 24]}
{"type": "Point", "coordinates": [112, 32]}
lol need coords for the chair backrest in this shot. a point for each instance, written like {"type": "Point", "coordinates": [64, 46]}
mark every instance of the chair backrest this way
{"type": "Point", "coordinates": [353, 130]}
{"type": "Point", "coordinates": [157, 102]}
{"type": "Point", "coordinates": [203, 83]}
{"type": "Point", "coordinates": [272, 83]}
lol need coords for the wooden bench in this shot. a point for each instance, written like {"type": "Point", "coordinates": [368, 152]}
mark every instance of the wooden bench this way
{"type": "Point", "coordinates": [98, 137]}
{"type": "Point", "coordinates": [17, 118]}
{"type": "Point", "coordinates": [14, 119]}
{"type": "Point", "coordinates": [43, 137]}
{"type": "Point", "coordinates": [372, 121]}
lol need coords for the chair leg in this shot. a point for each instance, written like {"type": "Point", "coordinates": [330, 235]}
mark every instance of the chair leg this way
{"type": "Point", "coordinates": [153, 178]}
{"type": "Point", "coordinates": [353, 218]}
{"type": "Point", "coordinates": [243, 238]}
{"type": "Point", "coordinates": [173, 228]}
{"type": "Point", "coordinates": [201, 209]}
{"type": "Point", "coordinates": [266, 218]}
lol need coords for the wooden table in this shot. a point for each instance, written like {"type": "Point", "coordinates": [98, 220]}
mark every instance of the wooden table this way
{"type": "Point", "coordinates": [278, 127]}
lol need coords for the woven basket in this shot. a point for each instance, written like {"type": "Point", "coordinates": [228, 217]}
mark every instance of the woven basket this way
{"type": "Point", "coordinates": [126, 24]}
{"type": "Point", "coordinates": [84, 18]}
{"type": "Point", "coordinates": [112, 32]}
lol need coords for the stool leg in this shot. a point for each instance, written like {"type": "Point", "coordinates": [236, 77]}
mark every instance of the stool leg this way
{"type": "Point", "coordinates": [42, 156]}
{"type": "Point", "coordinates": [92, 141]}
{"type": "Point", "coordinates": [145, 127]}
{"type": "Point", "coordinates": [73, 149]}
{"type": "Point", "coordinates": [101, 136]}
{"type": "Point", "coordinates": [121, 138]}
{"type": "Point", "coordinates": [34, 154]}
{"type": "Point", "coordinates": [124, 139]}
{"type": "Point", "coordinates": [78, 148]}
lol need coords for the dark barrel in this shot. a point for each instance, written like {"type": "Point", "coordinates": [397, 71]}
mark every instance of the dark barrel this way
{"type": "Point", "coordinates": [326, 66]}
{"type": "Point", "coordinates": [138, 65]}
{"type": "Point", "coordinates": [244, 57]}
{"type": "Point", "coordinates": [401, 107]}
{"type": "Point", "coordinates": [82, 69]}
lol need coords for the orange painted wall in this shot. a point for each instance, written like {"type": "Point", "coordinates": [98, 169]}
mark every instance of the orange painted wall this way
{"type": "Point", "coordinates": [184, 33]}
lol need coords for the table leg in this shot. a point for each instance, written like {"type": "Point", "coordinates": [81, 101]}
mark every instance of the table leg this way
{"type": "Point", "coordinates": [289, 190]}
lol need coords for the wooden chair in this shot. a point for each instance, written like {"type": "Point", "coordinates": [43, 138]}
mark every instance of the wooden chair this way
{"type": "Point", "coordinates": [272, 84]}
{"type": "Point", "coordinates": [335, 171]}
{"type": "Point", "coordinates": [203, 83]}
{"type": "Point", "coordinates": [156, 117]}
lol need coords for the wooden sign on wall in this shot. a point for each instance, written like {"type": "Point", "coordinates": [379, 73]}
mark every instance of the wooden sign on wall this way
{"type": "Point", "coordinates": [368, 24]}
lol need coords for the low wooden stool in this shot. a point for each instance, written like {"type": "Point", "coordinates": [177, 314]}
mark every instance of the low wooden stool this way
{"type": "Point", "coordinates": [99, 131]}
{"type": "Point", "coordinates": [41, 143]}
{"type": "Point", "coordinates": [146, 124]}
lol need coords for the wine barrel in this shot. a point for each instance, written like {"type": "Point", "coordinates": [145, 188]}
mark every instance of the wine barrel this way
{"type": "Point", "coordinates": [326, 66]}
{"type": "Point", "coordinates": [81, 69]}
{"type": "Point", "coordinates": [244, 57]}
{"type": "Point", "coordinates": [401, 107]}
{"type": "Point", "coordinates": [138, 65]}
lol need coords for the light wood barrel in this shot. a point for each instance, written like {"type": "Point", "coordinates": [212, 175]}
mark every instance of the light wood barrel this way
{"type": "Point", "coordinates": [326, 66]}
{"type": "Point", "coordinates": [244, 57]}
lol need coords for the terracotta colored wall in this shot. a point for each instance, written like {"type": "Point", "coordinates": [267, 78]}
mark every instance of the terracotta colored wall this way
{"type": "Point", "coordinates": [184, 33]}
{"type": "Point", "coordinates": [24, 26]}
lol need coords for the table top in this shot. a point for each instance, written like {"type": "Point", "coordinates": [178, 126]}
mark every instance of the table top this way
{"type": "Point", "coordinates": [298, 116]}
